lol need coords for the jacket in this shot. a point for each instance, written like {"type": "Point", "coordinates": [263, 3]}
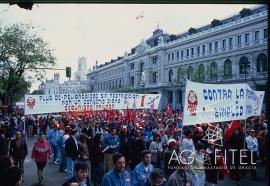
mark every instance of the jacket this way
{"type": "Point", "coordinates": [112, 178]}
{"type": "Point", "coordinates": [41, 151]}
{"type": "Point", "coordinates": [140, 176]}
{"type": "Point", "coordinates": [74, 180]}
{"type": "Point", "coordinates": [18, 152]}
{"type": "Point", "coordinates": [71, 148]}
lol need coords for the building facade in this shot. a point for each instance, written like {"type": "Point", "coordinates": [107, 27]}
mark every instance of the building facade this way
{"type": "Point", "coordinates": [232, 50]}
{"type": "Point", "coordinates": [78, 85]}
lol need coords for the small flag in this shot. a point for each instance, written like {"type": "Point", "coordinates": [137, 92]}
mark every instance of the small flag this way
{"type": "Point", "coordinates": [140, 16]}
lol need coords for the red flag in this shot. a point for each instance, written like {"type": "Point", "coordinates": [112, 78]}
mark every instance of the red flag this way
{"type": "Point", "coordinates": [234, 124]}
{"type": "Point", "coordinates": [169, 111]}
{"type": "Point", "coordinates": [128, 115]}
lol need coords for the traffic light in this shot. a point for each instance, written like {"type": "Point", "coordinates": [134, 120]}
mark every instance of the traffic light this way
{"type": "Point", "coordinates": [68, 72]}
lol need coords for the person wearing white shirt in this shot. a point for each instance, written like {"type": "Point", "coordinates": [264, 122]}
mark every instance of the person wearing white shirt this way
{"type": "Point", "coordinates": [252, 152]}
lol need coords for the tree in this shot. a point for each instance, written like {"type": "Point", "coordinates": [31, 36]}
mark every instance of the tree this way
{"type": "Point", "coordinates": [21, 49]}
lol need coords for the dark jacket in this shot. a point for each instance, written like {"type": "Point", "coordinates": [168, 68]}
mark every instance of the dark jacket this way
{"type": "Point", "coordinates": [18, 152]}
{"type": "Point", "coordinates": [3, 145]}
{"type": "Point", "coordinates": [71, 149]}
{"type": "Point", "coordinates": [74, 180]}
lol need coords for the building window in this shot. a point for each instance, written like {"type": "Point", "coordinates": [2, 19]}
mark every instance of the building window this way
{"type": "Point", "coordinates": [201, 72]}
{"type": "Point", "coordinates": [257, 34]}
{"type": "Point", "coordinates": [265, 33]}
{"type": "Point", "coordinates": [247, 38]}
{"type": "Point", "coordinates": [154, 60]}
{"type": "Point", "coordinates": [132, 81]}
{"type": "Point", "coordinates": [169, 57]}
{"type": "Point", "coordinates": [182, 54]}
{"type": "Point", "coordinates": [192, 51]}
{"type": "Point", "coordinates": [230, 43]}
{"type": "Point", "coordinates": [132, 66]}
{"type": "Point", "coordinates": [210, 47]}
{"type": "Point", "coordinates": [180, 74]}
{"type": "Point", "coordinates": [187, 52]}
{"type": "Point", "coordinates": [177, 55]}
{"type": "Point", "coordinates": [203, 48]}
{"type": "Point", "coordinates": [261, 63]}
{"type": "Point", "coordinates": [213, 70]}
{"type": "Point", "coordinates": [154, 77]}
{"type": "Point", "coordinates": [170, 97]}
{"type": "Point", "coordinates": [170, 75]}
{"type": "Point", "coordinates": [198, 49]}
{"type": "Point", "coordinates": [244, 65]}
{"type": "Point", "coordinates": [239, 40]}
{"type": "Point", "coordinates": [172, 56]}
{"type": "Point", "coordinates": [179, 96]}
{"type": "Point", "coordinates": [228, 68]}
{"type": "Point", "coordinates": [224, 43]}
{"type": "Point", "coordinates": [216, 46]}
{"type": "Point", "coordinates": [190, 72]}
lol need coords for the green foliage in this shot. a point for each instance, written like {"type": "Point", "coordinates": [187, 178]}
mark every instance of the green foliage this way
{"type": "Point", "coordinates": [22, 51]}
{"type": "Point", "coordinates": [37, 92]}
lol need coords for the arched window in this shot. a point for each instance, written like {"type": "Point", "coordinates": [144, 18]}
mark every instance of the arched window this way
{"type": "Point", "coordinates": [190, 72]}
{"type": "Point", "coordinates": [228, 68]}
{"type": "Point", "coordinates": [213, 69]}
{"type": "Point", "coordinates": [170, 75]}
{"type": "Point", "coordinates": [201, 72]}
{"type": "Point", "coordinates": [261, 63]}
{"type": "Point", "coordinates": [244, 65]}
{"type": "Point", "coordinates": [180, 74]}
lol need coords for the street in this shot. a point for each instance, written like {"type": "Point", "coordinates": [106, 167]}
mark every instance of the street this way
{"type": "Point", "coordinates": [52, 176]}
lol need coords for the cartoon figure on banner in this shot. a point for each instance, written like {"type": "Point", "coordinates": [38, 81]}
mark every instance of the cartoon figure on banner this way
{"type": "Point", "coordinates": [31, 102]}
{"type": "Point", "coordinates": [192, 102]}
{"type": "Point", "coordinates": [152, 105]}
{"type": "Point", "coordinates": [257, 104]}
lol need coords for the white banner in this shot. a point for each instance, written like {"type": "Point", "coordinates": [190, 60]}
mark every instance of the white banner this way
{"type": "Point", "coordinates": [40, 104]}
{"type": "Point", "coordinates": [254, 102]}
{"type": "Point", "coordinates": [205, 103]}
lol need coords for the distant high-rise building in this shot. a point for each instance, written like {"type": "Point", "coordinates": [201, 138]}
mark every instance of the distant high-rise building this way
{"type": "Point", "coordinates": [82, 69]}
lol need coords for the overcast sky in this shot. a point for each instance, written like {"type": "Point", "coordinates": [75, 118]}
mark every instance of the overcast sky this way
{"type": "Point", "coordinates": [103, 31]}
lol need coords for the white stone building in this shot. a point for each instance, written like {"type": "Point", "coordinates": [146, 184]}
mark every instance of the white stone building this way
{"type": "Point", "coordinates": [231, 50]}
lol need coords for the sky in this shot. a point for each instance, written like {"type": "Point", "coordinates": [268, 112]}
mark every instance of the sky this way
{"type": "Point", "coordinates": [102, 32]}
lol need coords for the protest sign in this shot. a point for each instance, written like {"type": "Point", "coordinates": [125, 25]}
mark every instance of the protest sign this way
{"type": "Point", "coordinates": [39, 104]}
{"type": "Point", "coordinates": [205, 103]}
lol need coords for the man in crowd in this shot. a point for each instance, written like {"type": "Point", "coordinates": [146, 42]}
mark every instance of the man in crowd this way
{"type": "Point", "coordinates": [111, 146]}
{"type": "Point", "coordinates": [143, 170]}
{"type": "Point", "coordinates": [72, 152]}
{"type": "Point", "coordinates": [117, 176]}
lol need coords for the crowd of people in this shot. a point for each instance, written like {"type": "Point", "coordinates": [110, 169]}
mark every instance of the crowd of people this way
{"type": "Point", "coordinates": [136, 148]}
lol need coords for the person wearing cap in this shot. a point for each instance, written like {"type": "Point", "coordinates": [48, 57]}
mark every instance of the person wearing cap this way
{"type": "Point", "coordinates": [187, 144]}
{"type": "Point", "coordinates": [53, 137]}
{"type": "Point", "coordinates": [72, 152]}
{"type": "Point", "coordinates": [252, 152]}
{"type": "Point", "coordinates": [143, 170]}
{"type": "Point", "coordinates": [170, 166]}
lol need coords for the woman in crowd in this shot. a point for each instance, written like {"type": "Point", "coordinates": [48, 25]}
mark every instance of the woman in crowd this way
{"type": "Point", "coordinates": [97, 165]}
{"type": "Point", "coordinates": [83, 148]}
{"type": "Point", "coordinates": [156, 150]}
{"type": "Point", "coordinates": [40, 154]}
